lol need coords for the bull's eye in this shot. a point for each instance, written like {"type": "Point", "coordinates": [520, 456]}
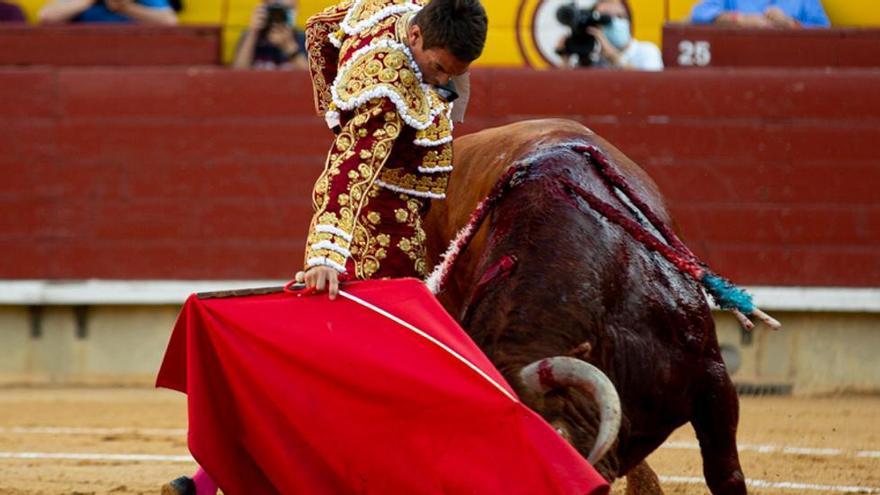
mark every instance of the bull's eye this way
{"type": "Point", "coordinates": [563, 432]}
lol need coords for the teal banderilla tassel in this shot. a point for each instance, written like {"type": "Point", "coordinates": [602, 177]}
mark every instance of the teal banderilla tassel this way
{"type": "Point", "coordinates": [727, 295]}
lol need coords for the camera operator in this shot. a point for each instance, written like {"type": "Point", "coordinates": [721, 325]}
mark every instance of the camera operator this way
{"type": "Point", "coordinates": [271, 41]}
{"type": "Point", "coordinates": [602, 37]}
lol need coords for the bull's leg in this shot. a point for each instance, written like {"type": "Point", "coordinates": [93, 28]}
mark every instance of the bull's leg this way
{"type": "Point", "coordinates": [641, 480]}
{"type": "Point", "coordinates": [716, 414]}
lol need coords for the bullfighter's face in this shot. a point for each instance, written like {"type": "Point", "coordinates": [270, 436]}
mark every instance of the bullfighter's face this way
{"type": "Point", "coordinates": [437, 64]}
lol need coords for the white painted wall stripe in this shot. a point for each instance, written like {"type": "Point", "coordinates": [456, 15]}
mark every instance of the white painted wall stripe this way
{"type": "Point", "coordinates": [780, 485]}
{"type": "Point", "coordinates": [151, 292]}
{"type": "Point", "coordinates": [96, 457]}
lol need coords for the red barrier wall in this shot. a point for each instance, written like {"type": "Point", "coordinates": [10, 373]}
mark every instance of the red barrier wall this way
{"type": "Point", "coordinates": [205, 173]}
{"type": "Point", "coordinates": [110, 44]}
{"type": "Point", "coordinates": [689, 45]}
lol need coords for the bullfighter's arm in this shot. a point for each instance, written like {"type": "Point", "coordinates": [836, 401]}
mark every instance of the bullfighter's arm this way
{"type": "Point", "coordinates": [322, 45]}
{"type": "Point", "coordinates": [355, 160]}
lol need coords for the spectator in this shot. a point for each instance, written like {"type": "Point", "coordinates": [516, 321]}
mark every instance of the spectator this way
{"type": "Point", "coordinates": [761, 13]}
{"type": "Point", "coordinates": [614, 45]}
{"type": "Point", "coordinates": [10, 12]}
{"type": "Point", "coordinates": [271, 41]}
{"type": "Point", "coordinates": [157, 12]}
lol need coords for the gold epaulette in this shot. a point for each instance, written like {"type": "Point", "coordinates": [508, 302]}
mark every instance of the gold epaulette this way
{"type": "Point", "coordinates": [364, 14]}
{"type": "Point", "coordinates": [385, 69]}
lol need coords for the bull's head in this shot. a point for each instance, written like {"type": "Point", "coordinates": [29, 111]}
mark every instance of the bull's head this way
{"type": "Point", "coordinates": [551, 374]}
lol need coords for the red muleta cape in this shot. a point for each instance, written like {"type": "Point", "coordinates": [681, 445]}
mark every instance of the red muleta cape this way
{"type": "Point", "coordinates": [302, 395]}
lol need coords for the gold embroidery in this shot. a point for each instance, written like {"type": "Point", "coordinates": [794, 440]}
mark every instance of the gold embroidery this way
{"type": "Point", "coordinates": [401, 215]}
{"type": "Point", "coordinates": [370, 33]}
{"type": "Point", "coordinates": [369, 8]}
{"type": "Point", "coordinates": [364, 77]}
{"type": "Point", "coordinates": [323, 71]}
{"type": "Point", "coordinates": [414, 246]}
{"type": "Point", "coordinates": [422, 183]}
{"type": "Point", "coordinates": [442, 158]}
{"type": "Point", "coordinates": [369, 254]}
{"type": "Point", "coordinates": [372, 245]}
{"type": "Point", "coordinates": [360, 170]}
{"type": "Point", "coordinates": [441, 128]}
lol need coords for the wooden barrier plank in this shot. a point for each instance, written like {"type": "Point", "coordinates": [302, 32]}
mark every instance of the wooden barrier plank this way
{"type": "Point", "coordinates": [762, 264]}
{"type": "Point", "coordinates": [837, 182]}
{"type": "Point", "coordinates": [767, 223]}
{"type": "Point", "coordinates": [110, 44]}
{"type": "Point", "coordinates": [114, 93]}
{"type": "Point", "coordinates": [723, 94]}
{"type": "Point", "coordinates": [688, 45]}
{"type": "Point", "coordinates": [27, 93]}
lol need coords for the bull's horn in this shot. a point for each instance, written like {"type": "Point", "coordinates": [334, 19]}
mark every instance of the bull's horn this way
{"type": "Point", "coordinates": [560, 371]}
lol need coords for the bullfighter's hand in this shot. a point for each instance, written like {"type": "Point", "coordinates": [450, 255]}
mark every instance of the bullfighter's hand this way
{"type": "Point", "coordinates": [609, 52]}
{"type": "Point", "coordinates": [323, 277]}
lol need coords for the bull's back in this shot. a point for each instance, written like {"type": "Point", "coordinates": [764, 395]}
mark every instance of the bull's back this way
{"type": "Point", "coordinates": [481, 158]}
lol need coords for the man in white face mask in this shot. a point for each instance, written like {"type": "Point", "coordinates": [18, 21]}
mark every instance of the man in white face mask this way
{"type": "Point", "coordinates": [618, 49]}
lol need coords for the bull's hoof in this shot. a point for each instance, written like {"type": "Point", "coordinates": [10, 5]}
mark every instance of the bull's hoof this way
{"type": "Point", "coordinates": [641, 480]}
{"type": "Point", "coordinates": [181, 486]}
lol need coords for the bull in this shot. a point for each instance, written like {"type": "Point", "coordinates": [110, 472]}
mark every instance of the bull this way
{"type": "Point", "coordinates": [548, 275]}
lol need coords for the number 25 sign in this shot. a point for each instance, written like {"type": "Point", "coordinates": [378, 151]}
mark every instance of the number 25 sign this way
{"type": "Point", "coordinates": [694, 53]}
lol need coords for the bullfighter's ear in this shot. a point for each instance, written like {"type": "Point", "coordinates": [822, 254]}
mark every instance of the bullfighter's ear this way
{"type": "Point", "coordinates": [463, 87]}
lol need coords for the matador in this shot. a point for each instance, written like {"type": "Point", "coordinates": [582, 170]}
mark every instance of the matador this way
{"type": "Point", "coordinates": [381, 71]}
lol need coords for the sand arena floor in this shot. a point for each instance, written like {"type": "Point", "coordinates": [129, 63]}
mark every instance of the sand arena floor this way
{"type": "Point", "coordinates": [128, 441]}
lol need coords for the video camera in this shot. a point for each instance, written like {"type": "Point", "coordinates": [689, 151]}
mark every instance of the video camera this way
{"type": "Point", "coordinates": [580, 43]}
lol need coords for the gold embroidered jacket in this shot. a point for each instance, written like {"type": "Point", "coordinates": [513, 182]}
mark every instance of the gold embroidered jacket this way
{"type": "Point", "coordinates": [396, 131]}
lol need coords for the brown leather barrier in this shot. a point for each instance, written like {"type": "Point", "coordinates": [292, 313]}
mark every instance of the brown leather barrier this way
{"type": "Point", "coordinates": [110, 44]}
{"type": "Point", "coordinates": [687, 45]}
{"type": "Point", "coordinates": [149, 173]}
